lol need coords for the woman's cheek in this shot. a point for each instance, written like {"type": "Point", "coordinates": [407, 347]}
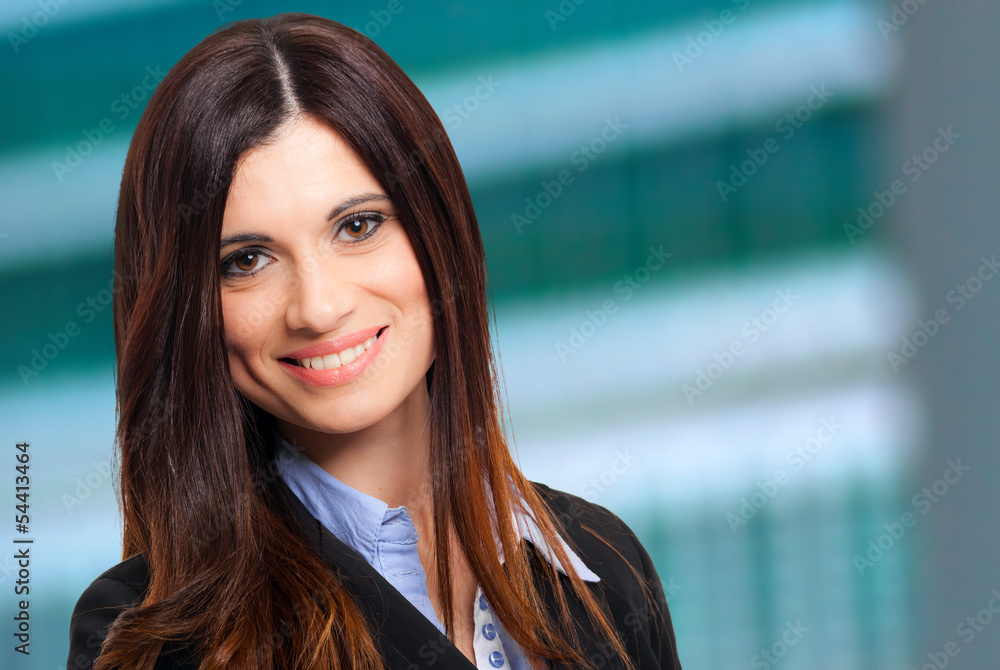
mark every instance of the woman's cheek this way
{"type": "Point", "coordinates": [252, 313]}
{"type": "Point", "coordinates": [247, 318]}
{"type": "Point", "coordinates": [418, 307]}
{"type": "Point", "coordinates": [236, 326]}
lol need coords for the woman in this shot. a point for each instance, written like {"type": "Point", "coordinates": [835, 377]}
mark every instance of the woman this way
{"type": "Point", "coordinates": [313, 469]}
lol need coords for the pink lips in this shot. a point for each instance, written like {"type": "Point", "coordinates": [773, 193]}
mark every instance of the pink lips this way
{"type": "Point", "coordinates": [344, 373]}
{"type": "Point", "coordinates": [334, 346]}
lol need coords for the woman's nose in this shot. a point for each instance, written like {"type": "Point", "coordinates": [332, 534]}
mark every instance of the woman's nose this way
{"type": "Point", "coordinates": [321, 296]}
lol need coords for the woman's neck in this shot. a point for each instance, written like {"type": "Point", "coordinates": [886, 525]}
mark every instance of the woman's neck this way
{"type": "Point", "coordinates": [389, 460]}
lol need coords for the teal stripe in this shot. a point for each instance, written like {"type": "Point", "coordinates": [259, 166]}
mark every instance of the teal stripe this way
{"type": "Point", "coordinates": [66, 78]}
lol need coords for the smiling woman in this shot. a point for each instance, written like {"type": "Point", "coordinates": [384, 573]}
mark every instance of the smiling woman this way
{"type": "Point", "coordinates": [329, 484]}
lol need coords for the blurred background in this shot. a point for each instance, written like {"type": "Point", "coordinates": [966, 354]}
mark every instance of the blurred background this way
{"type": "Point", "coordinates": [741, 254]}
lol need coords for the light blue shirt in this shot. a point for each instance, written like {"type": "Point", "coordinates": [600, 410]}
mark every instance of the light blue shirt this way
{"type": "Point", "coordinates": [387, 539]}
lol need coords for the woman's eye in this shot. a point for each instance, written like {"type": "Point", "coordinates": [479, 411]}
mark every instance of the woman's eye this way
{"type": "Point", "coordinates": [244, 263]}
{"type": "Point", "coordinates": [360, 227]}
{"type": "Point", "coordinates": [357, 228]}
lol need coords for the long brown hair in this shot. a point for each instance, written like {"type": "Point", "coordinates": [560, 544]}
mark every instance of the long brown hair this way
{"type": "Point", "coordinates": [229, 598]}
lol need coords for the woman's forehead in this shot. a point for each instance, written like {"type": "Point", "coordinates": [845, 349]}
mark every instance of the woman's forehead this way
{"type": "Point", "coordinates": [307, 165]}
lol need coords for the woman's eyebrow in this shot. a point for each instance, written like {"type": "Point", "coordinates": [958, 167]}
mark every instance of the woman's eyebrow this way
{"type": "Point", "coordinates": [356, 200]}
{"type": "Point", "coordinates": [243, 237]}
{"type": "Point", "coordinates": [240, 238]}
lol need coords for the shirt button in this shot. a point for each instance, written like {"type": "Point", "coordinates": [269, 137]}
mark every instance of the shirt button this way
{"type": "Point", "coordinates": [488, 631]}
{"type": "Point", "coordinates": [496, 659]}
{"type": "Point", "coordinates": [482, 602]}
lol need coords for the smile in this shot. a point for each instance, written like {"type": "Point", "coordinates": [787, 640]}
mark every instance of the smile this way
{"type": "Point", "coordinates": [334, 361]}
{"type": "Point", "coordinates": [337, 367]}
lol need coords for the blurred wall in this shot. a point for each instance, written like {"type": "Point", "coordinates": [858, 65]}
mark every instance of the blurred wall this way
{"type": "Point", "coordinates": [716, 241]}
{"type": "Point", "coordinates": [947, 230]}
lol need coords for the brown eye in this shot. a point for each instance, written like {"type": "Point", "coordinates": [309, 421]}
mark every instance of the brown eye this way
{"type": "Point", "coordinates": [246, 262]}
{"type": "Point", "coordinates": [357, 228]}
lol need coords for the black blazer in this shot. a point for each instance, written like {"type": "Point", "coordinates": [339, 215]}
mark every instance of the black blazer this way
{"type": "Point", "coordinates": [409, 640]}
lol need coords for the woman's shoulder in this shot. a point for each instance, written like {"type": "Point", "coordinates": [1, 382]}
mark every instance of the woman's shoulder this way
{"type": "Point", "coordinates": [597, 531]}
{"type": "Point", "coordinates": [114, 591]}
{"type": "Point", "coordinates": [605, 543]}
{"type": "Point", "coordinates": [629, 581]}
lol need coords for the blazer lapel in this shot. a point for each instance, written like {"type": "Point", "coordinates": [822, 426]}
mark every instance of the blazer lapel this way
{"type": "Point", "coordinates": [405, 637]}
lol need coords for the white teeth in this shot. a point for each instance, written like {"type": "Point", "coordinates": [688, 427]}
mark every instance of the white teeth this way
{"type": "Point", "coordinates": [333, 361]}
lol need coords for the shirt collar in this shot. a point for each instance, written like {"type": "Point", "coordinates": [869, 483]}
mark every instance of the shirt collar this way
{"type": "Point", "coordinates": [361, 520]}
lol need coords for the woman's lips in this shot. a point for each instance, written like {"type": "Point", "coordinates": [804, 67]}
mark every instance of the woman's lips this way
{"type": "Point", "coordinates": [333, 346]}
{"type": "Point", "coordinates": [346, 372]}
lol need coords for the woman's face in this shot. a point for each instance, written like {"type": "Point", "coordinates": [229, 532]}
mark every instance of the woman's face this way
{"type": "Point", "coordinates": [327, 320]}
